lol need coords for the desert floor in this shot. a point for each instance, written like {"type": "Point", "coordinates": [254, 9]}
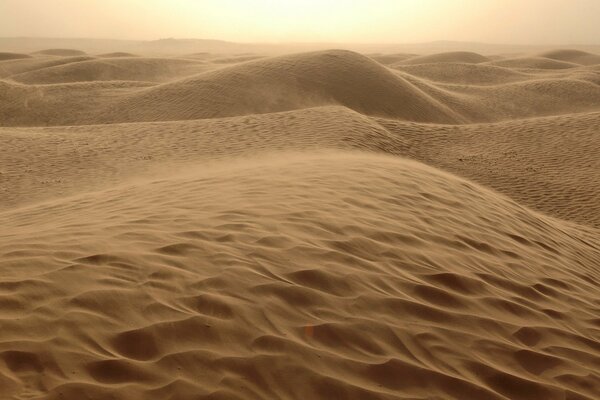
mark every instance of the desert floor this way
{"type": "Point", "coordinates": [319, 225]}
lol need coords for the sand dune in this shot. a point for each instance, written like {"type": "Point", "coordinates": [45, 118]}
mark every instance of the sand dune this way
{"type": "Point", "coordinates": [533, 63]}
{"type": "Point", "coordinates": [320, 225]}
{"type": "Point", "coordinates": [31, 105]}
{"type": "Point", "coordinates": [61, 52]}
{"type": "Point", "coordinates": [117, 54]}
{"type": "Point", "coordinates": [12, 56]}
{"type": "Point", "coordinates": [573, 56]}
{"type": "Point", "coordinates": [464, 74]}
{"type": "Point", "coordinates": [14, 67]}
{"type": "Point", "coordinates": [121, 68]}
{"type": "Point", "coordinates": [390, 59]}
{"type": "Point", "coordinates": [285, 83]}
{"type": "Point", "coordinates": [368, 271]}
{"type": "Point", "coordinates": [453, 57]}
{"type": "Point", "coordinates": [550, 164]}
{"type": "Point", "coordinates": [433, 93]}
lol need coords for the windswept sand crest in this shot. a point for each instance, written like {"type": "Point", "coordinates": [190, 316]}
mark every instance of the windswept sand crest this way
{"type": "Point", "coordinates": [12, 56]}
{"type": "Point", "coordinates": [285, 83]}
{"type": "Point", "coordinates": [113, 69]}
{"type": "Point", "coordinates": [574, 56]}
{"type": "Point", "coordinates": [61, 52]}
{"type": "Point", "coordinates": [524, 159]}
{"type": "Point", "coordinates": [368, 271]}
{"type": "Point", "coordinates": [452, 57]}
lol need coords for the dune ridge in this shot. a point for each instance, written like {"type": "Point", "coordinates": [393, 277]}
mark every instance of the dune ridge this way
{"type": "Point", "coordinates": [115, 69]}
{"type": "Point", "coordinates": [321, 225]}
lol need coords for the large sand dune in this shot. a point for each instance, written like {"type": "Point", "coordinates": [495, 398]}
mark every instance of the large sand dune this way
{"type": "Point", "coordinates": [113, 69]}
{"type": "Point", "coordinates": [321, 225]}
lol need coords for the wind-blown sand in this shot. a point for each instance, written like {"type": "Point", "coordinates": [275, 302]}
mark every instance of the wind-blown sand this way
{"type": "Point", "coordinates": [316, 225]}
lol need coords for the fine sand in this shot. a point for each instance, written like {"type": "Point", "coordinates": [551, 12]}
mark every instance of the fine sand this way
{"type": "Point", "coordinates": [316, 225]}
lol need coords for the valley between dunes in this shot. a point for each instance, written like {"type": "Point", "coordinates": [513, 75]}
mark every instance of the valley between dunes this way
{"type": "Point", "coordinates": [319, 225]}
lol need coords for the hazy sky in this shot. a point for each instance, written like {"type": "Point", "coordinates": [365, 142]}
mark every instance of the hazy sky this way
{"type": "Point", "coordinates": [398, 21]}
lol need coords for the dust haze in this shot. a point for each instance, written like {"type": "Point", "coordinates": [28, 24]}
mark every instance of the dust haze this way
{"type": "Point", "coordinates": [299, 200]}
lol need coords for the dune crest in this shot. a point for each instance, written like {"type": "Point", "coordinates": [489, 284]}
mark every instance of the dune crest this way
{"type": "Point", "coordinates": [386, 245]}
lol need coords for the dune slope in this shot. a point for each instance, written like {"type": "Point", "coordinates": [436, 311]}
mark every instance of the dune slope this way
{"type": "Point", "coordinates": [119, 69]}
{"type": "Point", "coordinates": [322, 225]}
{"type": "Point", "coordinates": [368, 271]}
{"type": "Point", "coordinates": [451, 57]}
{"type": "Point", "coordinates": [285, 83]}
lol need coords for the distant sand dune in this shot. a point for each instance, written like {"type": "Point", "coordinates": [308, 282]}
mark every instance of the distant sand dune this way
{"type": "Point", "coordinates": [524, 159]}
{"type": "Point", "coordinates": [117, 54]}
{"type": "Point", "coordinates": [534, 63]}
{"type": "Point", "coordinates": [12, 56]}
{"type": "Point", "coordinates": [14, 67]}
{"type": "Point", "coordinates": [453, 57]}
{"type": "Point", "coordinates": [122, 68]}
{"type": "Point", "coordinates": [465, 74]}
{"type": "Point", "coordinates": [389, 59]}
{"type": "Point", "coordinates": [61, 52]}
{"type": "Point", "coordinates": [285, 83]}
{"type": "Point", "coordinates": [550, 164]}
{"type": "Point", "coordinates": [573, 56]}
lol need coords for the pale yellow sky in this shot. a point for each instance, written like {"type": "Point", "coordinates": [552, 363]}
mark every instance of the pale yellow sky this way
{"type": "Point", "coordinates": [383, 21]}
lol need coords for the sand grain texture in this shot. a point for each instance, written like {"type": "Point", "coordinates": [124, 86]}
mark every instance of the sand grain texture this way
{"type": "Point", "coordinates": [322, 225]}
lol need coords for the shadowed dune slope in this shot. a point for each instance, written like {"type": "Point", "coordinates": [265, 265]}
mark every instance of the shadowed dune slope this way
{"type": "Point", "coordinates": [432, 93]}
{"type": "Point", "coordinates": [573, 56]}
{"type": "Point", "coordinates": [285, 83]}
{"type": "Point", "coordinates": [389, 59]}
{"type": "Point", "coordinates": [68, 161]}
{"type": "Point", "coordinates": [35, 105]}
{"type": "Point", "coordinates": [550, 164]}
{"type": "Point", "coordinates": [539, 96]}
{"type": "Point", "coordinates": [461, 73]}
{"type": "Point", "coordinates": [368, 271]}
{"type": "Point", "coordinates": [12, 56]}
{"type": "Point", "coordinates": [451, 57]}
{"type": "Point", "coordinates": [122, 68]}
{"type": "Point", "coordinates": [533, 63]}
{"type": "Point", "coordinates": [61, 52]}
{"type": "Point", "coordinates": [117, 54]}
{"type": "Point", "coordinates": [14, 67]}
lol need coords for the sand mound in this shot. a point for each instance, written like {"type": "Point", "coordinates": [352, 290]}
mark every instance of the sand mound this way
{"type": "Point", "coordinates": [524, 159]}
{"type": "Point", "coordinates": [390, 59]}
{"type": "Point", "coordinates": [142, 149]}
{"type": "Point", "coordinates": [14, 67]}
{"type": "Point", "coordinates": [12, 56]}
{"type": "Point", "coordinates": [573, 56]}
{"type": "Point", "coordinates": [333, 276]}
{"type": "Point", "coordinates": [550, 164]}
{"type": "Point", "coordinates": [285, 83]}
{"type": "Point", "coordinates": [449, 57]}
{"type": "Point", "coordinates": [126, 69]}
{"type": "Point", "coordinates": [465, 74]}
{"type": "Point", "coordinates": [539, 96]}
{"type": "Point", "coordinates": [40, 105]}
{"type": "Point", "coordinates": [235, 59]}
{"type": "Point", "coordinates": [534, 63]}
{"type": "Point", "coordinates": [117, 54]}
{"type": "Point", "coordinates": [61, 52]}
